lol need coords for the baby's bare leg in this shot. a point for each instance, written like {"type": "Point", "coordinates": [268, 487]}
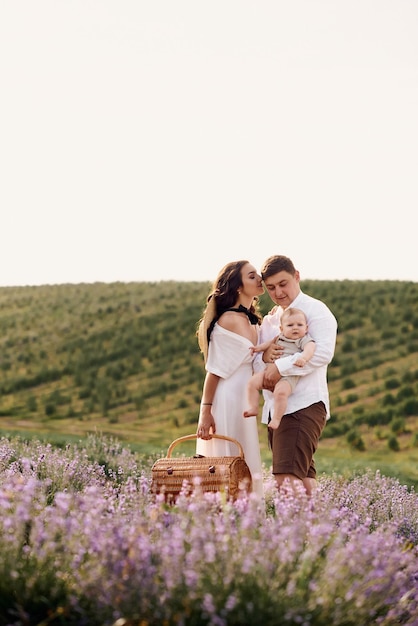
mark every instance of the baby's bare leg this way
{"type": "Point", "coordinates": [255, 384]}
{"type": "Point", "coordinates": [281, 393]}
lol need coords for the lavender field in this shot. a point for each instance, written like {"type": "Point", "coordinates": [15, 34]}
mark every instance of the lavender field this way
{"type": "Point", "coordinates": [82, 541]}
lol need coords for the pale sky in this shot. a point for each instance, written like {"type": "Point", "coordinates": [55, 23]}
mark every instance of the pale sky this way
{"type": "Point", "coordinates": [147, 140]}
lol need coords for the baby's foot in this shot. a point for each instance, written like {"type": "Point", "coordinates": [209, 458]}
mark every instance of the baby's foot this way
{"type": "Point", "coordinates": [250, 412]}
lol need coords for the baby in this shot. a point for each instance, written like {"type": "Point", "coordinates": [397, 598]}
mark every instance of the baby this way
{"type": "Point", "coordinates": [293, 338]}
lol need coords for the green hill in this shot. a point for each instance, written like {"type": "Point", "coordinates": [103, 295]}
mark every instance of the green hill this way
{"type": "Point", "coordinates": [122, 359]}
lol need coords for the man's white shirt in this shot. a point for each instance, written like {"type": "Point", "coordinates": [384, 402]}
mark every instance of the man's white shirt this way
{"type": "Point", "coordinates": [312, 386]}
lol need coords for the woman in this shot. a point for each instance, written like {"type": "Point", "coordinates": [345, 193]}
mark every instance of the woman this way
{"type": "Point", "coordinates": [227, 332]}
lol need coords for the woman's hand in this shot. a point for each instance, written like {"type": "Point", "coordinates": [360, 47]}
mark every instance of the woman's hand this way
{"type": "Point", "coordinates": [206, 426]}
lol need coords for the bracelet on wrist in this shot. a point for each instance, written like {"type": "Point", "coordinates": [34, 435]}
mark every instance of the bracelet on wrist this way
{"type": "Point", "coordinates": [206, 404]}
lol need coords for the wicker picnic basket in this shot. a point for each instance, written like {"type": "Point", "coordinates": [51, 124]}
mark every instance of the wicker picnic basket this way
{"type": "Point", "coordinates": [229, 474]}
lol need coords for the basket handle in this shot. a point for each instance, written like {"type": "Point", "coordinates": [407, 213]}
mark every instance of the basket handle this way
{"type": "Point", "coordinates": [188, 437]}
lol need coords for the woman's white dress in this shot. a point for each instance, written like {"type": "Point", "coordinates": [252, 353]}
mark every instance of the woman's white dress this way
{"type": "Point", "coordinates": [230, 358]}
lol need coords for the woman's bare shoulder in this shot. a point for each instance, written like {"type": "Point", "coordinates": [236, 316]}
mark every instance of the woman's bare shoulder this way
{"type": "Point", "coordinates": [231, 320]}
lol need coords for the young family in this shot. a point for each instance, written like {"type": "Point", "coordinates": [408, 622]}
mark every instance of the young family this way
{"type": "Point", "coordinates": [285, 354]}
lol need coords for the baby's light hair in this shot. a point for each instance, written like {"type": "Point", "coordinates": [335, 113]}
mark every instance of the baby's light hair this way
{"type": "Point", "coordinates": [293, 311]}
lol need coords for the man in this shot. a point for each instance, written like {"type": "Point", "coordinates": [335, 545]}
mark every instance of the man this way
{"type": "Point", "coordinates": [294, 443]}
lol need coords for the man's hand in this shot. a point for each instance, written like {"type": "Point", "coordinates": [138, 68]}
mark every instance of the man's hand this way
{"type": "Point", "coordinates": [272, 352]}
{"type": "Point", "coordinates": [271, 377]}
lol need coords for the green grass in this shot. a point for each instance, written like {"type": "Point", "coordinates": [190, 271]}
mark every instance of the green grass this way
{"type": "Point", "coordinates": [122, 359]}
{"type": "Point", "coordinates": [334, 456]}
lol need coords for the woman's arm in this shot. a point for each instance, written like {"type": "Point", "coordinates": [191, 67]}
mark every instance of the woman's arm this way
{"type": "Point", "coordinates": [206, 426]}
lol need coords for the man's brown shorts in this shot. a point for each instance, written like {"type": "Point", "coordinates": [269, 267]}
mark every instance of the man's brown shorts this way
{"type": "Point", "coordinates": [294, 443]}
